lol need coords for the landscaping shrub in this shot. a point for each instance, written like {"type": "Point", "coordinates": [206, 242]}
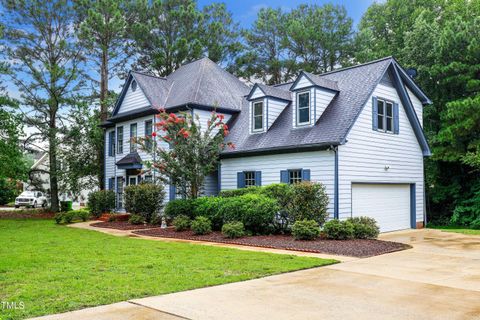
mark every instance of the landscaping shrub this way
{"type": "Point", "coordinates": [201, 225]}
{"type": "Point", "coordinates": [308, 201]}
{"type": "Point", "coordinates": [233, 230]}
{"type": "Point", "coordinates": [239, 192]}
{"type": "Point", "coordinates": [210, 207]}
{"type": "Point", "coordinates": [145, 199]}
{"type": "Point", "coordinates": [58, 217]}
{"type": "Point", "coordinates": [281, 192]}
{"type": "Point", "coordinates": [305, 230]}
{"type": "Point", "coordinates": [338, 230]}
{"type": "Point", "coordinates": [66, 206]}
{"type": "Point", "coordinates": [181, 223]}
{"type": "Point", "coordinates": [364, 227]}
{"type": "Point", "coordinates": [255, 211]}
{"type": "Point", "coordinates": [136, 219]}
{"type": "Point", "coordinates": [102, 201]}
{"type": "Point", "coordinates": [175, 208]}
{"type": "Point", "coordinates": [68, 216]}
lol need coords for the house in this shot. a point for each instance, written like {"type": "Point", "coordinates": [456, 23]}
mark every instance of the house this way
{"type": "Point", "coordinates": [357, 130]}
{"type": "Point", "coordinates": [39, 180]}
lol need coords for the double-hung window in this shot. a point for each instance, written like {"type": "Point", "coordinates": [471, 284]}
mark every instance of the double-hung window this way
{"type": "Point", "coordinates": [119, 140]}
{"type": "Point", "coordinates": [111, 143]}
{"type": "Point", "coordinates": [303, 108]}
{"type": "Point", "coordinates": [258, 116]}
{"type": "Point", "coordinates": [247, 179]}
{"type": "Point", "coordinates": [148, 134]}
{"type": "Point", "coordinates": [385, 116]}
{"type": "Point", "coordinates": [133, 136]}
{"type": "Point", "coordinates": [292, 176]}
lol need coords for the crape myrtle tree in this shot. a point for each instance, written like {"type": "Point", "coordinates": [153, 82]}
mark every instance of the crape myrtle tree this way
{"type": "Point", "coordinates": [185, 153]}
{"type": "Point", "coordinates": [46, 69]}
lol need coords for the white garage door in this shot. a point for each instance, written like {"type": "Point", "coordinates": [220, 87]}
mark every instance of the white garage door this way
{"type": "Point", "coordinates": [389, 204]}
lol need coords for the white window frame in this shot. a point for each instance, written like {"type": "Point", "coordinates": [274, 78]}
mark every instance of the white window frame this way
{"type": "Point", "coordinates": [120, 140]}
{"type": "Point", "coordinates": [254, 103]}
{"type": "Point", "coordinates": [383, 118]}
{"type": "Point", "coordinates": [133, 144]}
{"type": "Point", "coordinates": [298, 108]}
{"type": "Point", "coordinates": [249, 178]}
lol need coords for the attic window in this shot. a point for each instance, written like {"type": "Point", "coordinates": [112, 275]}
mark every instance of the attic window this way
{"type": "Point", "coordinates": [134, 85]}
{"type": "Point", "coordinates": [303, 107]}
{"type": "Point", "coordinates": [258, 116]}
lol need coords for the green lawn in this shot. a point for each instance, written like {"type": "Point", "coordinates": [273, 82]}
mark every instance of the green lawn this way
{"type": "Point", "coordinates": [457, 230]}
{"type": "Point", "coordinates": [52, 268]}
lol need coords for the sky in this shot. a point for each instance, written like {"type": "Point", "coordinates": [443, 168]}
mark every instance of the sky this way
{"type": "Point", "coordinates": [245, 11]}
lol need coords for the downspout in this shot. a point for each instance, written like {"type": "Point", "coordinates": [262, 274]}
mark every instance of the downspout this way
{"type": "Point", "coordinates": [335, 195]}
{"type": "Point", "coordinates": [154, 146]}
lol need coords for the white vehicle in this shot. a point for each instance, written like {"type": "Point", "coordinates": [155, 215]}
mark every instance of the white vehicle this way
{"type": "Point", "coordinates": [31, 199]}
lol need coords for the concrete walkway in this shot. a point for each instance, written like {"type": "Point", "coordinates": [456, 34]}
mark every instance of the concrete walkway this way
{"type": "Point", "coordinates": [438, 279]}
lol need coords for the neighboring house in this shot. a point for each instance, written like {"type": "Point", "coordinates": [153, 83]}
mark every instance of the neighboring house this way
{"type": "Point", "coordinates": [357, 130]}
{"type": "Point", "coordinates": [39, 180]}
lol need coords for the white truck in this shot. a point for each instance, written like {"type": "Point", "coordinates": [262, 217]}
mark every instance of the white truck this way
{"type": "Point", "coordinates": [31, 199]}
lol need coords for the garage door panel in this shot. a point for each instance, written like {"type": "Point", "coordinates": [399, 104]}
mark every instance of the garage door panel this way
{"type": "Point", "coordinates": [388, 204]}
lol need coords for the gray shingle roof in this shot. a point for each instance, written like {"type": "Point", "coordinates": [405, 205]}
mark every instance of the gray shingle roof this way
{"type": "Point", "coordinates": [201, 82]}
{"type": "Point", "coordinates": [131, 158]}
{"type": "Point", "coordinates": [355, 84]}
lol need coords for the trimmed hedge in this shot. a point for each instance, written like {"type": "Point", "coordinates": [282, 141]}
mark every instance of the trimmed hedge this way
{"type": "Point", "coordinates": [70, 216]}
{"type": "Point", "coordinates": [145, 199]}
{"type": "Point", "coordinates": [180, 207]}
{"type": "Point", "coordinates": [339, 230]}
{"type": "Point", "coordinates": [100, 202]}
{"type": "Point", "coordinates": [181, 223]}
{"type": "Point", "coordinates": [308, 202]}
{"type": "Point", "coordinates": [136, 219]}
{"type": "Point", "coordinates": [233, 230]}
{"type": "Point", "coordinates": [305, 230]}
{"type": "Point", "coordinates": [201, 225]}
{"type": "Point", "coordinates": [364, 228]}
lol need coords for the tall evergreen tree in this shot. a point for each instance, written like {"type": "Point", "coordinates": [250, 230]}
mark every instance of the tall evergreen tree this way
{"type": "Point", "coordinates": [102, 29]}
{"type": "Point", "coordinates": [169, 33]}
{"type": "Point", "coordinates": [265, 57]}
{"type": "Point", "coordinates": [320, 37]}
{"type": "Point", "coordinates": [47, 69]}
{"type": "Point", "coordinates": [440, 39]}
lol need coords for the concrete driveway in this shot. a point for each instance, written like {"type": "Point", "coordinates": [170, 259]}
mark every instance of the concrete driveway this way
{"type": "Point", "coordinates": [438, 279]}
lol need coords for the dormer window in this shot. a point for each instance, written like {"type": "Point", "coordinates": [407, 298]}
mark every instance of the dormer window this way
{"type": "Point", "coordinates": [258, 116]}
{"type": "Point", "coordinates": [303, 108]}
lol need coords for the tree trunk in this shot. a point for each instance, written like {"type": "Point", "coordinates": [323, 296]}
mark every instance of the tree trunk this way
{"type": "Point", "coordinates": [52, 148]}
{"type": "Point", "coordinates": [103, 116]}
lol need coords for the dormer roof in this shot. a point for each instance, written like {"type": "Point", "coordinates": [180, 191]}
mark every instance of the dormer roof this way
{"type": "Point", "coordinates": [316, 80]}
{"type": "Point", "coordinates": [270, 91]}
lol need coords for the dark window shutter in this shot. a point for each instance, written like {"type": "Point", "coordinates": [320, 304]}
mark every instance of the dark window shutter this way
{"type": "Point", "coordinates": [284, 176]}
{"type": "Point", "coordinates": [240, 180]}
{"type": "Point", "coordinates": [306, 174]}
{"type": "Point", "coordinates": [396, 123]}
{"type": "Point", "coordinates": [110, 184]}
{"type": "Point", "coordinates": [374, 113]}
{"type": "Point", "coordinates": [173, 192]}
{"type": "Point", "coordinates": [258, 178]}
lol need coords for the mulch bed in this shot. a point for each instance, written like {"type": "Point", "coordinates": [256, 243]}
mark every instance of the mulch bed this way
{"type": "Point", "coordinates": [26, 214]}
{"type": "Point", "coordinates": [353, 248]}
{"type": "Point", "coordinates": [122, 225]}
